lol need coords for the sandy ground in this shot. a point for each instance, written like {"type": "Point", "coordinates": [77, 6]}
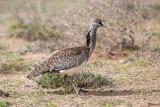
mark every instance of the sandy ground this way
{"type": "Point", "coordinates": [134, 85]}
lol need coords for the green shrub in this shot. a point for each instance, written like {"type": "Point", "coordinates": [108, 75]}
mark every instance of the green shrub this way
{"type": "Point", "coordinates": [82, 80]}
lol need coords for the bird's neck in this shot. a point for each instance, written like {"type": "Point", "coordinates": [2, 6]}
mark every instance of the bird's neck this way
{"type": "Point", "coordinates": [91, 39]}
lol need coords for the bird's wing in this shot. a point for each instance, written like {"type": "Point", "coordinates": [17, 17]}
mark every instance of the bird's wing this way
{"type": "Point", "coordinates": [64, 59]}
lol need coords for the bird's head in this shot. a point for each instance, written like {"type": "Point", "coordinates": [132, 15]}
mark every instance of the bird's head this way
{"type": "Point", "coordinates": [98, 23]}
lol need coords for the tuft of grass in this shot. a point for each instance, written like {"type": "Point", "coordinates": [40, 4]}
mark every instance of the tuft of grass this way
{"type": "Point", "coordinates": [131, 58]}
{"type": "Point", "coordinates": [51, 105]}
{"type": "Point", "coordinates": [82, 80]}
{"type": "Point", "coordinates": [9, 67]}
{"type": "Point", "coordinates": [51, 81]}
{"type": "Point", "coordinates": [30, 31]}
{"type": "Point", "coordinates": [111, 103]}
{"type": "Point", "coordinates": [156, 7]}
{"type": "Point", "coordinates": [11, 63]}
{"type": "Point", "coordinates": [4, 104]}
{"type": "Point", "coordinates": [142, 63]}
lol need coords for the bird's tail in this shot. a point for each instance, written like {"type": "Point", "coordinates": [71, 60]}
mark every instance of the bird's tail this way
{"type": "Point", "coordinates": [37, 71]}
{"type": "Point", "coordinates": [33, 74]}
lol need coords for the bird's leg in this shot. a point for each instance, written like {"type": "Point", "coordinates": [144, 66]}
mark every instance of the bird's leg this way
{"type": "Point", "coordinates": [65, 85]}
{"type": "Point", "coordinates": [75, 89]}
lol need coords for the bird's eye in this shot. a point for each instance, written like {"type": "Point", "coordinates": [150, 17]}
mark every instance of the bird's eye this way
{"type": "Point", "coordinates": [100, 23]}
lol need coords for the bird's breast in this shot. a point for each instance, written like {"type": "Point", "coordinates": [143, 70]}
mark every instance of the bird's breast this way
{"type": "Point", "coordinates": [73, 70]}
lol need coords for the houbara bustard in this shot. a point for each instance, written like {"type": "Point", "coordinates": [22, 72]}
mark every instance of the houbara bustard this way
{"type": "Point", "coordinates": [70, 60]}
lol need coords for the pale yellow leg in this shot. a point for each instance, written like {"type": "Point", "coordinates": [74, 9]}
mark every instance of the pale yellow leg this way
{"type": "Point", "coordinates": [74, 87]}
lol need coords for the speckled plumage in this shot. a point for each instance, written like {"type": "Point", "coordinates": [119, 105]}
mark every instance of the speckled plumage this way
{"type": "Point", "coordinates": [62, 60]}
{"type": "Point", "coordinates": [69, 58]}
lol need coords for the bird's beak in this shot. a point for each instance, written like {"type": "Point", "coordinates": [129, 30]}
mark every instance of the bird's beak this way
{"type": "Point", "coordinates": [103, 24]}
{"type": "Point", "coordinates": [104, 20]}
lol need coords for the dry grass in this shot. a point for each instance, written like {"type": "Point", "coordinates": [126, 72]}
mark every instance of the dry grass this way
{"type": "Point", "coordinates": [125, 22]}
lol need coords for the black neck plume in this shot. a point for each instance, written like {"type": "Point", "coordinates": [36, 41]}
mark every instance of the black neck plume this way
{"type": "Point", "coordinates": [88, 39]}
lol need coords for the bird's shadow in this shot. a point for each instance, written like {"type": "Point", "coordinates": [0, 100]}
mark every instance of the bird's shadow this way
{"type": "Point", "coordinates": [107, 92]}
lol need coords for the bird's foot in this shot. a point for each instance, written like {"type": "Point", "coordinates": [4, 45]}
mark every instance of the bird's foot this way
{"type": "Point", "coordinates": [81, 90]}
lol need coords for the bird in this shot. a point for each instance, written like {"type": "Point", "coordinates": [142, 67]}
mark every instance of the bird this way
{"type": "Point", "coordinates": [68, 61]}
